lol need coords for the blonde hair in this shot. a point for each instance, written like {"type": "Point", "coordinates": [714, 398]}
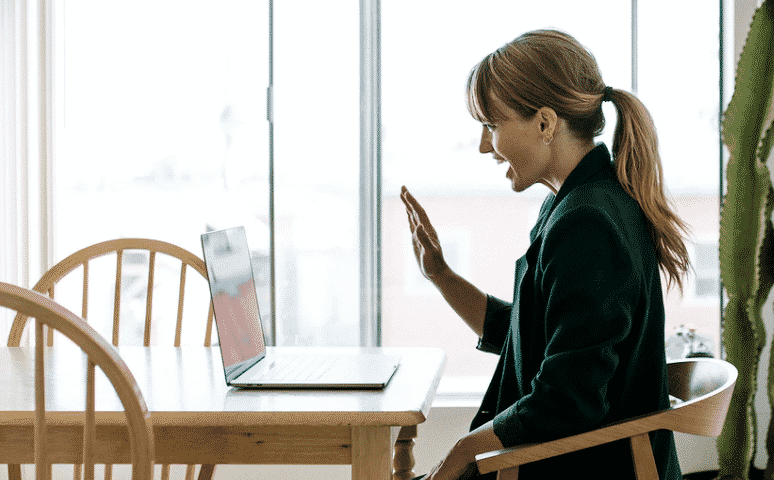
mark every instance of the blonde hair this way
{"type": "Point", "coordinates": [550, 68]}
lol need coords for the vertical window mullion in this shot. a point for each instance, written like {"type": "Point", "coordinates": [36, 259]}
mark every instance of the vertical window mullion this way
{"type": "Point", "coordinates": [634, 47]}
{"type": "Point", "coordinates": [272, 333]}
{"type": "Point", "coordinates": [23, 150]}
{"type": "Point", "coordinates": [46, 131]}
{"type": "Point", "coordinates": [722, 52]}
{"type": "Point", "coordinates": [8, 154]}
{"type": "Point", "coordinates": [370, 181]}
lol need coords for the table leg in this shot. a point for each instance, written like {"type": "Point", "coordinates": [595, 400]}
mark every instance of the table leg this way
{"type": "Point", "coordinates": [206, 472]}
{"type": "Point", "coordinates": [371, 453]}
{"type": "Point", "coordinates": [404, 454]}
{"type": "Point", "coordinates": [14, 472]}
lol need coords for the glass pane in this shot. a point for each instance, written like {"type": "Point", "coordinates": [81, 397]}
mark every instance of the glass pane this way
{"type": "Point", "coordinates": [430, 144]}
{"type": "Point", "coordinates": [164, 136]}
{"type": "Point", "coordinates": [708, 287]}
{"type": "Point", "coordinates": [317, 166]}
{"type": "Point", "coordinates": [684, 105]}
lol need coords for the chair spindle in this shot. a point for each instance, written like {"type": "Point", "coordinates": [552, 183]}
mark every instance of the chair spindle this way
{"type": "Point", "coordinates": [149, 298]}
{"type": "Point", "coordinates": [85, 304]}
{"type": "Point", "coordinates": [89, 429]}
{"type": "Point", "coordinates": [117, 301]}
{"type": "Point", "coordinates": [179, 326]}
{"type": "Point", "coordinates": [40, 404]}
{"type": "Point", "coordinates": [49, 330]}
{"type": "Point", "coordinates": [208, 335]}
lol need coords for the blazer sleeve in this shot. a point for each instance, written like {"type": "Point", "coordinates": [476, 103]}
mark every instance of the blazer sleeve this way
{"type": "Point", "coordinates": [498, 313]}
{"type": "Point", "coordinates": [588, 286]}
{"type": "Point", "coordinates": [496, 324]}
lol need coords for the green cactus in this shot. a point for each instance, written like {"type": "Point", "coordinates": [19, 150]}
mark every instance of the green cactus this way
{"type": "Point", "coordinates": [746, 236]}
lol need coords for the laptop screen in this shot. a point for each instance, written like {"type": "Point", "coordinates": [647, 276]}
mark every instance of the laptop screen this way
{"type": "Point", "coordinates": [234, 299]}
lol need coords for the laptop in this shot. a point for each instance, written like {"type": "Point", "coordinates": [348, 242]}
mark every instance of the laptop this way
{"type": "Point", "coordinates": [246, 362]}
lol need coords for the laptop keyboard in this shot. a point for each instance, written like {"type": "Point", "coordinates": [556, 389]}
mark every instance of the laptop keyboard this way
{"type": "Point", "coordinates": [296, 369]}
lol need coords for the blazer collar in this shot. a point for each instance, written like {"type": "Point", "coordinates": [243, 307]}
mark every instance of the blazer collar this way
{"type": "Point", "coordinates": [595, 162]}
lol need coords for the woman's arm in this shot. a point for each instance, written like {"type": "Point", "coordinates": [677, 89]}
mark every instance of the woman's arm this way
{"type": "Point", "coordinates": [468, 301]}
{"type": "Point", "coordinates": [460, 462]}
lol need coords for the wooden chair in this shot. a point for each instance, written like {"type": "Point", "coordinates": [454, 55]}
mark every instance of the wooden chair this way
{"type": "Point", "coordinates": [47, 284]}
{"type": "Point", "coordinates": [703, 387]}
{"type": "Point", "coordinates": [99, 353]}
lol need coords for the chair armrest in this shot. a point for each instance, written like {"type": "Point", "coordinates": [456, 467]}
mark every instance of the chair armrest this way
{"type": "Point", "coordinates": [527, 453]}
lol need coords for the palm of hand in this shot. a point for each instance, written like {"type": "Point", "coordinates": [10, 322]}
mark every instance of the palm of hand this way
{"type": "Point", "coordinates": [429, 253]}
{"type": "Point", "coordinates": [427, 247]}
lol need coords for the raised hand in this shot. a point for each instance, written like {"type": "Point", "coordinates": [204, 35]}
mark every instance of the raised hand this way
{"type": "Point", "coordinates": [427, 247]}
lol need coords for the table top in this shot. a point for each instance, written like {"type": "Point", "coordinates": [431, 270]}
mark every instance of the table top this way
{"type": "Point", "coordinates": [186, 386]}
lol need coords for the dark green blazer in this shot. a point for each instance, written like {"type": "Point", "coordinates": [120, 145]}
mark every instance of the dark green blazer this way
{"type": "Point", "coordinates": [582, 343]}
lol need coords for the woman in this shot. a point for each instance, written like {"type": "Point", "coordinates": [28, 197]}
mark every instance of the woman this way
{"type": "Point", "coordinates": [582, 344]}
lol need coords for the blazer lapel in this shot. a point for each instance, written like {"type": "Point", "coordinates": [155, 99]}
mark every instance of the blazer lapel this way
{"type": "Point", "coordinates": [523, 317]}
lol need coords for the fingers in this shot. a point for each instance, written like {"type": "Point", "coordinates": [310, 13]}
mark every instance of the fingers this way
{"type": "Point", "coordinates": [410, 211]}
{"type": "Point", "coordinates": [411, 202]}
{"type": "Point", "coordinates": [415, 210]}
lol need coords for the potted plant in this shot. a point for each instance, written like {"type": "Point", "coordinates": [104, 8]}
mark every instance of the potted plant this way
{"type": "Point", "coordinates": [746, 236]}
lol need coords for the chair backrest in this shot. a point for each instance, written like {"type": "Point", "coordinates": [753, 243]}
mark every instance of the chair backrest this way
{"type": "Point", "coordinates": [704, 387]}
{"type": "Point", "coordinates": [99, 353]}
{"type": "Point", "coordinates": [82, 257]}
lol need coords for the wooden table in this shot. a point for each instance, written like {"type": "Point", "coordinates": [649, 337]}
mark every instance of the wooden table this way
{"type": "Point", "coordinates": [198, 419]}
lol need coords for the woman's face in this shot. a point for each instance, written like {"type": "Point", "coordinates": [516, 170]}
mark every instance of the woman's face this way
{"type": "Point", "coordinates": [520, 143]}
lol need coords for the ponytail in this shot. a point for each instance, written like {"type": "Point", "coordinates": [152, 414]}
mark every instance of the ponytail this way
{"type": "Point", "coordinates": [638, 168]}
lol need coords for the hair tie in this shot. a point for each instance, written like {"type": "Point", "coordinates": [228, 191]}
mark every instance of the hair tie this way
{"type": "Point", "coordinates": [606, 94]}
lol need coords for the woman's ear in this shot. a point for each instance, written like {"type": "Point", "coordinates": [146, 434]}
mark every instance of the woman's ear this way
{"type": "Point", "coordinates": [547, 121]}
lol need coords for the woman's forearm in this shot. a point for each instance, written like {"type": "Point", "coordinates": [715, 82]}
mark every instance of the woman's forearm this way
{"type": "Point", "coordinates": [468, 301]}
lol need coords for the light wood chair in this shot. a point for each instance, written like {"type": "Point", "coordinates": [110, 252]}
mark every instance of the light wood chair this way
{"type": "Point", "coordinates": [81, 258]}
{"type": "Point", "coordinates": [100, 354]}
{"type": "Point", "coordinates": [703, 387]}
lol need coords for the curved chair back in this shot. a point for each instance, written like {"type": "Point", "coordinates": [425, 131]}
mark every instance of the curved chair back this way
{"type": "Point", "coordinates": [99, 353]}
{"type": "Point", "coordinates": [82, 258]}
{"type": "Point", "coordinates": [47, 283]}
{"type": "Point", "coordinates": [703, 387]}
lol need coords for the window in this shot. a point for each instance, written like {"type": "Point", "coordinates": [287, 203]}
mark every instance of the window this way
{"type": "Point", "coordinates": [704, 289]}
{"type": "Point", "coordinates": [707, 277]}
{"type": "Point", "coordinates": [689, 145]}
{"type": "Point", "coordinates": [163, 134]}
{"type": "Point", "coordinates": [316, 163]}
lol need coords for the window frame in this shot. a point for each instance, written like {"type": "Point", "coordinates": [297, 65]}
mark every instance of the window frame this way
{"type": "Point", "coordinates": [33, 164]}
